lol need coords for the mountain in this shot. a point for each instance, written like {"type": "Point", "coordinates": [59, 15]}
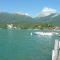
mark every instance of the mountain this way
{"type": "Point", "coordinates": [15, 18]}
{"type": "Point", "coordinates": [48, 15]}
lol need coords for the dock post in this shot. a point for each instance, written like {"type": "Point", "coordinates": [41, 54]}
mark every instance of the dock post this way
{"type": "Point", "coordinates": [55, 51]}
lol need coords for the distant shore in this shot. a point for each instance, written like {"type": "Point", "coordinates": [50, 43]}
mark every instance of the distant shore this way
{"type": "Point", "coordinates": [29, 26]}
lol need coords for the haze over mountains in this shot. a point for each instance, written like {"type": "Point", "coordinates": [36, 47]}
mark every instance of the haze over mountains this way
{"type": "Point", "coordinates": [47, 15]}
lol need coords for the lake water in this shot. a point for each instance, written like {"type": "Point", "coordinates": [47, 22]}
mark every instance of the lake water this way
{"type": "Point", "coordinates": [21, 45]}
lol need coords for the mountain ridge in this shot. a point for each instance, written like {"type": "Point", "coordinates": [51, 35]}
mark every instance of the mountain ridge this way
{"type": "Point", "coordinates": [52, 17]}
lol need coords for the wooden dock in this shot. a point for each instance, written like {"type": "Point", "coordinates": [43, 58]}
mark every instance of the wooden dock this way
{"type": "Point", "coordinates": [56, 51]}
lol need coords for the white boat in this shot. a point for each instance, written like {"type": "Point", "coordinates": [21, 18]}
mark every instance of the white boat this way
{"type": "Point", "coordinates": [44, 33]}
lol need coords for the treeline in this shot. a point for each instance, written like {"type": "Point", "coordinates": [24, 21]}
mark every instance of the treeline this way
{"type": "Point", "coordinates": [28, 25]}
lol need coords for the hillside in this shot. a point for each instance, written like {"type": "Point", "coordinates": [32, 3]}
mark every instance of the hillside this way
{"type": "Point", "coordinates": [46, 18]}
{"type": "Point", "coordinates": [14, 18]}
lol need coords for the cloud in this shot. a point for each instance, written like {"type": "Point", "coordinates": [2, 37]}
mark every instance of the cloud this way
{"type": "Point", "coordinates": [47, 11]}
{"type": "Point", "coordinates": [22, 13]}
{"type": "Point", "coordinates": [50, 10]}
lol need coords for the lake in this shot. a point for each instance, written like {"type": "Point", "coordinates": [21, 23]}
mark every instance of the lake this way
{"type": "Point", "coordinates": [21, 45]}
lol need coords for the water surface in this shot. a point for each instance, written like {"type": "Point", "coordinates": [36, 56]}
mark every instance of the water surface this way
{"type": "Point", "coordinates": [21, 45]}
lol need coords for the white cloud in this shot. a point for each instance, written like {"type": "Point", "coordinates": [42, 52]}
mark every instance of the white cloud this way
{"type": "Point", "coordinates": [50, 10]}
{"type": "Point", "coordinates": [47, 11]}
{"type": "Point", "coordinates": [26, 14]}
{"type": "Point", "coordinates": [22, 13]}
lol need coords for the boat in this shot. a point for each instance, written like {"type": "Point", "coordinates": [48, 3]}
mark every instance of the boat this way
{"type": "Point", "coordinates": [43, 33]}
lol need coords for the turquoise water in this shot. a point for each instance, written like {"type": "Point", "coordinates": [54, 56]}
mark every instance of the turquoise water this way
{"type": "Point", "coordinates": [21, 45]}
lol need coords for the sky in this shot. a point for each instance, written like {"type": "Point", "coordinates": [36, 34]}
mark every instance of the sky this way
{"type": "Point", "coordinates": [32, 7]}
